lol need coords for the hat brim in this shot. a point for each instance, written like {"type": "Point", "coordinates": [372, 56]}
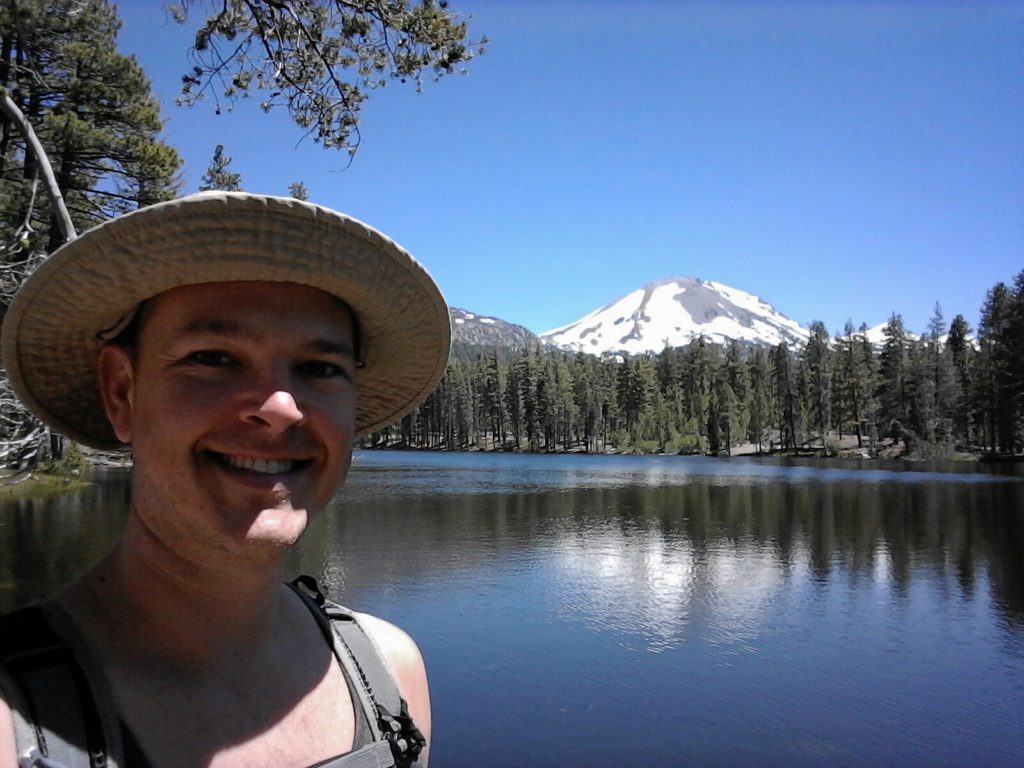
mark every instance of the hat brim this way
{"type": "Point", "coordinates": [52, 330]}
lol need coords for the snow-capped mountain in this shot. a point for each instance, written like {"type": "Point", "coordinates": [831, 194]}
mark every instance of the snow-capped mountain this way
{"type": "Point", "coordinates": [676, 311]}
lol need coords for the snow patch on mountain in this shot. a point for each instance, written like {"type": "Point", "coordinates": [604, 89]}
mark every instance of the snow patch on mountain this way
{"type": "Point", "coordinates": [675, 311]}
{"type": "Point", "coordinates": [875, 334]}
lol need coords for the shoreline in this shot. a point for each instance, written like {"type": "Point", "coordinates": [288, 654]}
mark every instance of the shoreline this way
{"type": "Point", "coordinates": [42, 483]}
{"type": "Point", "coordinates": [22, 484]}
{"type": "Point", "coordinates": [745, 450]}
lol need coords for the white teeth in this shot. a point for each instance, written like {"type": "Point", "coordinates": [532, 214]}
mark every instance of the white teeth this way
{"type": "Point", "coordinates": [263, 466]}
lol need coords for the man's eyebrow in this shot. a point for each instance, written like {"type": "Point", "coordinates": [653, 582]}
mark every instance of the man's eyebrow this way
{"type": "Point", "coordinates": [233, 329]}
{"type": "Point", "coordinates": [331, 347]}
{"type": "Point", "coordinates": [215, 326]}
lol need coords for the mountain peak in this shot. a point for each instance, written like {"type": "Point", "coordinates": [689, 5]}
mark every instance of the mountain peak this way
{"type": "Point", "coordinates": [675, 311]}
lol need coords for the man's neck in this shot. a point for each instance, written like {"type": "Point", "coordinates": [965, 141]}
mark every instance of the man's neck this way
{"type": "Point", "coordinates": [183, 605]}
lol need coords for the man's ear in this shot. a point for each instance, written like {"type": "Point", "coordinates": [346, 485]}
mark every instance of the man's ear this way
{"type": "Point", "coordinates": [117, 386]}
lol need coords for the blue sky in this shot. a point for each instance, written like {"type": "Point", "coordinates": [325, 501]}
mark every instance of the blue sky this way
{"type": "Point", "coordinates": [841, 160]}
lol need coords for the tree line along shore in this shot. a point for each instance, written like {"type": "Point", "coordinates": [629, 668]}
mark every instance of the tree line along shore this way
{"type": "Point", "coordinates": [949, 392]}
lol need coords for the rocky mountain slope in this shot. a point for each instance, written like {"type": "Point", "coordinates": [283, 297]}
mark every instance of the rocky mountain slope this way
{"type": "Point", "coordinates": [481, 330]}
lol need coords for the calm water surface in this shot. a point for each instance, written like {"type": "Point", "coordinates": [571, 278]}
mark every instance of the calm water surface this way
{"type": "Point", "coordinates": [621, 611]}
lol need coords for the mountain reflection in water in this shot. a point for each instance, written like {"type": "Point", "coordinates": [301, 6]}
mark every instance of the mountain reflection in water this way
{"type": "Point", "coordinates": [616, 611]}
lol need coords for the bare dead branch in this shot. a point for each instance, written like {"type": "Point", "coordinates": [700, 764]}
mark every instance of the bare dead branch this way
{"type": "Point", "coordinates": [15, 115]}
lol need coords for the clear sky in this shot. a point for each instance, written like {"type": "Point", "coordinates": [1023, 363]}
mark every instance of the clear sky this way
{"type": "Point", "coordinates": [841, 160]}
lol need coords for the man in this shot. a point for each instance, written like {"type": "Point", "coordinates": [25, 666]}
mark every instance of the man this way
{"type": "Point", "coordinates": [238, 344]}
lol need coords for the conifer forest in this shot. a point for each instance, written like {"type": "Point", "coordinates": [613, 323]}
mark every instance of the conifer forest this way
{"type": "Point", "coordinates": [953, 389]}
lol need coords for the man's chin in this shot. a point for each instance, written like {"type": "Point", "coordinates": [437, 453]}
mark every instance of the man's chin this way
{"type": "Point", "coordinates": [281, 525]}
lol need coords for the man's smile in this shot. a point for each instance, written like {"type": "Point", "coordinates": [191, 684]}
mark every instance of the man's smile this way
{"type": "Point", "coordinates": [258, 465]}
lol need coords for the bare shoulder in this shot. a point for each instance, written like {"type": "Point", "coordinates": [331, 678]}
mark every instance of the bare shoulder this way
{"type": "Point", "coordinates": [406, 663]}
{"type": "Point", "coordinates": [8, 749]}
{"type": "Point", "coordinates": [400, 650]}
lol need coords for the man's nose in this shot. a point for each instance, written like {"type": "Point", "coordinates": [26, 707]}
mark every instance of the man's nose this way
{"type": "Point", "coordinates": [279, 411]}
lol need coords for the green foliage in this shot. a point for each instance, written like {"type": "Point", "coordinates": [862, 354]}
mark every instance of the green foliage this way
{"type": "Point", "coordinates": [621, 441]}
{"type": "Point", "coordinates": [895, 386]}
{"type": "Point", "coordinates": [71, 462]}
{"type": "Point", "coordinates": [818, 362]}
{"type": "Point", "coordinates": [91, 108]}
{"type": "Point", "coordinates": [998, 374]}
{"type": "Point", "coordinates": [961, 355]}
{"type": "Point", "coordinates": [218, 175]}
{"type": "Point", "coordinates": [854, 385]}
{"type": "Point", "coordinates": [320, 59]}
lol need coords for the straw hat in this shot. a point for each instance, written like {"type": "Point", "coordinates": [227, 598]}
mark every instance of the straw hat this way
{"type": "Point", "coordinates": [55, 327]}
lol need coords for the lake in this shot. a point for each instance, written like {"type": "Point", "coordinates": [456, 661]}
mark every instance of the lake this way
{"type": "Point", "coordinates": [627, 611]}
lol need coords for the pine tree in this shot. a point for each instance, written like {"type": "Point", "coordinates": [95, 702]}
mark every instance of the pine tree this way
{"type": "Point", "coordinates": [527, 375]}
{"type": "Point", "coordinates": [893, 384]}
{"type": "Point", "coordinates": [803, 411]}
{"type": "Point", "coordinates": [726, 403]}
{"type": "Point", "coordinates": [673, 417]}
{"type": "Point", "coordinates": [858, 380]}
{"type": "Point", "coordinates": [298, 190]}
{"type": "Point", "coordinates": [961, 354]}
{"type": "Point", "coordinates": [818, 360]}
{"type": "Point", "coordinates": [611, 413]}
{"type": "Point", "coordinates": [492, 399]}
{"type": "Point", "coordinates": [941, 381]}
{"type": "Point", "coordinates": [588, 395]}
{"type": "Point", "coordinates": [785, 394]}
{"type": "Point", "coordinates": [546, 405]}
{"type": "Point", "coordinates": [867, 378]}
{"type": "Point", "coordinates": [513, 397]}
{"type": "Point", "coordinates": [637, 393]}
{"type": "Point", "coordinates": [737, 398]}
{"type": "Point", "coordinates": [762, 379]}
{"type": "Point", "coordinates": [91, 108]}
{"type": "Point", "coordinates": [1015, 359]}
{"type": "Point", "coordinates": [994, 380]}
{"type": "Point", "coordinates": [698, 386]}
{"type": "Point", "coordinates": [218, 175]}
{"type": "Point", "coordinates": [464, 427]}
{"type": "Point", "coordinates": [845, 394]}
{"type": "Point", "coordinates": [919, 427]}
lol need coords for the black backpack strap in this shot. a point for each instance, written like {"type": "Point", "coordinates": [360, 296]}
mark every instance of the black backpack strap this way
{"type": "Point", "coordinates": [63, 713]}
{"type": "Point", "coordinates": [364, 664]}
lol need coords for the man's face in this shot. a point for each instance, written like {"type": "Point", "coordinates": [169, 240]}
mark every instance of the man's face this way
{"type": "Point", "coordinates": [239, 404]}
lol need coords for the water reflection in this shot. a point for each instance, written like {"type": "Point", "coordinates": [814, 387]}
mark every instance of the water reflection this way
{"type": "Point", "coordinates": [507, 473]}
{"type": "Point", "coordinates": [661, 591]}
{"type": "Point", "coordinates": [661, 559]}
{"type": "Point", "coordinates": [48, 540]}
{"type": "Point", "coordinates": [775, 613]}
{"type": "Point", "coordinates": [675, 538]}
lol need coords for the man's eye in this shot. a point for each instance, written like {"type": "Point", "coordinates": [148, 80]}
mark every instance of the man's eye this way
{"type": "Point", "coordinates": [210, 358]}
{"type": "Point", "coordinates": [322, 369]}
